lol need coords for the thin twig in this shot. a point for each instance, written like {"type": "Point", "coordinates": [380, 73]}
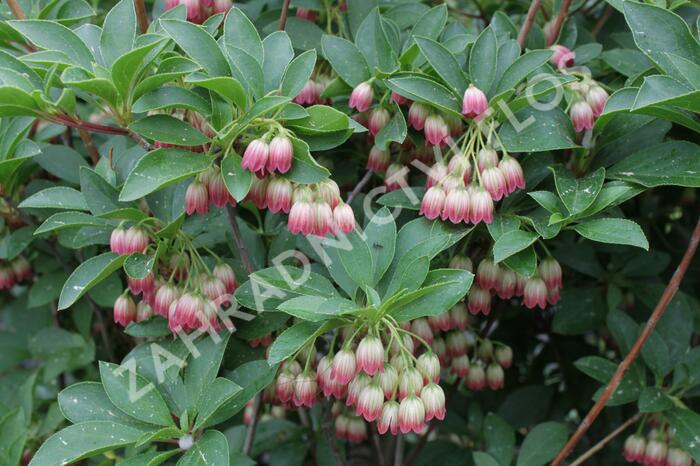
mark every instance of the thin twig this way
{"type": "Point", "coordinates": [141, 15]}
{"type": "Point", "coordinates": [599, 446]}
{"type": "Point", "coordinates": [250, 434]}
{"type": "Point", "coordinates": [398, 452]}
{"type": "Point", "coordinates": [661, 306]}
{"type": "Point", "coordinates": [527, 24]}
{"type": "Point", "coordinates": [602, 20]}
{"type": "Point", "coordinates": [89, 145]}
{"type": "Point", "coordinates": [377, 447]}
{"type": "Point", "coordinates": [558, 22]}
{"type": "Point", "coordinates": [361, 184]}
{"type": "Point", "coordinates": [283, 15]}
{"type": "Point", "coordinates": [16, 9]}
{"type": "Point", "coordinates": [420, 445]}
{"type": "Point", "coordinates": [238, 239]}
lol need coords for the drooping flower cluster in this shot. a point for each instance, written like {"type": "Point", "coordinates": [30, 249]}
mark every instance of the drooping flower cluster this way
{"type": "Point", "coordinates": [492, 280]}
{"type": "Point", "coordinates": [207, 188]}
{"type": "Point", "coordinates": [191, 297]}
{"type": "Point", "coordinates": [14, 272]}
{"type": "Point", "coordinates": [588, 104]}
{"type": "Point", "coordinates": [657, 449]}
{"type": "Point", "coordinates": [465, 189]}
{"type": "Point", "coordinates": [310, 94]}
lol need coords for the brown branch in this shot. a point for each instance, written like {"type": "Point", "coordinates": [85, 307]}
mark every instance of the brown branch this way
{"type": "Point", "coordinates": [250, 434]}
{"type": "Point", "coordinates": [527, 25]}
{"type": "Point", "coordinates": [360, 184]}
{"type": "Point", "coordinates": [602, 20]}
{"type": "Point", "coordinates": [661, 306]}
{"type": "Point", "coordinates": [141, 15]}
{"type": "Point", "coordinates": [599, 446]}
{"type": "Point", "coordinates": [16, 9]}
{"type": "Point", "coordinates": [283, 15]}
{"type": "Point", "coordinates": [89, 145]}
{"type": "Point", "coordinates": [558, 22]}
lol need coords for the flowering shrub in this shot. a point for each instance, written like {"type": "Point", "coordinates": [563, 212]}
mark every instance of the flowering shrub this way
{"type": "Point", "coordinates": [349, 232]}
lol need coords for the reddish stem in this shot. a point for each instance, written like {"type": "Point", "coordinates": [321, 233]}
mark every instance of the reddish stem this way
{"type": "Point", "coordinates": [527, 25]}
{"type": "Point", "coordinates": [141, 15]}
{"type": "Point", "coordinates": [559, 22]}
{"type": "Point", "coordinates": [283, 15]}
{"type": "Point", "coordinates": [661, 306]}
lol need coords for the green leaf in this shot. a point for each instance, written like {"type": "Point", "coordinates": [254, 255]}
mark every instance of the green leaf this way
{"type": "Point", "coordinates": [316, 308]}
{"type": "Point", "coordinates": [152, 328]}
{"type": "Point", "coordinates": [100, 196]}
{"type": "Point", "coordinates": [522, 68]}
{"type": "Point", "coordinates": [483, 59]}
{"type": "Point", "coordinates": [644, 21]}
{"type": "Point", "coordinates": [686, 424]}
{"type": "Point", "coordinates": [425, 90]}
{"type": "Point", "coordinates": [532, 130]}
{"type": "Point", "coordinates": [138, 265]}
{"type": "Point", "coordinates": [305, 169]}
{"type": "Point", "coordinates": [577, 194]}
{"type": "Point", "coordinates": [87, 275]}
{"type": "Point", "coordinates": [88, 401]}
{"type": "Point", "coordinates": [381, 239]}
{"type": "Point", "coordinates": [614, 231]}
{"type": "Point", "coordinates": [128, 68]}
{"type": "Point", "coordinates": [278, 53]}
{"type": "Point", "coordinates": [198, 44]}
{"type": "Point", "coordinates": [512, 243]}
{"type": "Point", "coordinates": [371, 39]}
{"type": "Point", "coordinates": [59, 197]}
{"type": "Point", "coordinates": [394, 131]}
{"type": "Point", "coordinates": [218, 393]}
{"type": "Point", "coordinates": [431, 23]}
{"type": "Point", "coordinates": [161, 168]}
{"type": "Point", "coordinates": [293, 339]}
{"type": "Point", "coordinates": [118, 31]}
{"type": "Point", "coordinates": [675, 163]}
{"type": "Point", "coordinates": [51, 35]}
{"type": "Point", "coordinates": [298, 73]}
{"type": "Point", "coordinates": [168, 129]}
{"type": "Point", "coordinates": [203, 366]}
{"type": "Point", "coordinates": [357, 258]}
{"type": "Point", "coordinates": [171, 97]}
{"type": "Point", "coordinates": [238, 181]}
{"type": "Point", "coordinates": [134, 394]}
{"type": "Point", "coordinates": [346, 59]}
{"type": "Point", "coordinates": [247, 70]}
{"type": "Point", "coordinates": [653, 400]}
{"type": "Point", "coordinates": [83, 441]}
{"type": "Point", "coordinates": [542, 444]}
{"type": "Point", "coordinates": [444, 63]}
{"type": "Point", "coordinates": [441, 290]}
{"type": "Point", "coordinates": [499, 437]}
{"type": "Point", "coordinates": [239, 32]}
{"type": "Point", "coordinates": [210, 450]}
{"type": "Point", "coordinates": [228, 88]}
{"type": "Point", "coordinates": [322, 119]}
{"type": "Point", "coordinates": [63, 220]}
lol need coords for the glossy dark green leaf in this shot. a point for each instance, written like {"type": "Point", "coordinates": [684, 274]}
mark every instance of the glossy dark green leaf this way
{"type": "Point", "coordinates": [522, 68]}
{"type": "Point", "coordinates": [228, 88]}
{"type": "Point", "coordinates": [298, 73]}
{"type": "Point", "coordinates": [168, 129]}
{"type": "Point", "coordinates": [161, 168]}
{"type": "Point", "coordinates": [50, 35]}
{"type": "Point", "coordinates": [59, 197]}
{"type": "Point", "coordinates": [613, 230]}
{"type": "Point", "coordinates": [278, 53]}
{"type": "Point", "coordinates": [87, 275]}
{"type": "Point", "coordinates": [293, 339]}
{"type": "Point", "coordinates": [532, 130]}
{"type": "Point", "coordinates": [426, 90]}
{"type": "Point", "coordinates": [542, 444]}
{"type": "Point", "coordinates": [371, 39]}
{"type": "Point", "coordinates": [198, 44]}
{"type": "Point", "coordinates": [686, 424]}
{"type": "Point", "coordinates": [88, 401]}
{"type": "Point", "coordinates": [171, 97]}
{"type": "Point", "coordinates": [670, 163]}
{"type": "Point", "coordinates": [577, 194]}
{"type": "Point", "coordinates": [118, 31]}
{"type": "Point", "coordinates": [346, 59]}
{"type": "Point", "coordinates": [241, 33]}
{"type": "Point", "coordinates": [483, 59]}
{"type": "Point", "coordinates": [512, 243]}
{"type": "Point", "coordinates": [444, 63]}
{"type": "Point", "coordinates": [238, 181]}
{"type": "Point", "coordinates": [63, 220]}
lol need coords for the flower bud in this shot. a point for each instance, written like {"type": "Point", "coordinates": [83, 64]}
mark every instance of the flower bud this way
{"type": "Point", "coordinates": [258, 192]}
{"type": "Point", "coordinates": [256, 155]}
{"type": "Point", "coordinates": [434, 402]}
{"type": "Point", "coordinates": [485, 350]}
{"type": "Point", "coordinates": [21, 268]}
{"type": "Point", "coordinates": [411, 415]}
{"type": "Point", "coordinates": [440, 321]}
{"type": "Point", "coordinates": [305, 388]}
{"type": "Point", "coordinates": [433, 202]}
{"type": "Point", "coordinates": [474, 103]}
{"type": "Point", "coordinates": [507, 281]}
{"type": "Point", "coordinates": [378, 160]}
{"type": "Point", "coordinates": [399, 99]}
{"type": "Point", "coordinates": [461, 262]}
{"type": "Point", "coordinates": [124, 310]}
{"type": "Point", "coordinates": [678, 457]}
{"type": "Point", "coordinates": [655, 453]}
{"type": "Point", "coordinates": [428, 365]}
{"type": "Point", "coordinates": [357, 430]}
{"type": "Point", "coordinates": [306, 14]}
{"type": "Point", "coordinates": [550, 271]}
{"type": "Point", "coordinates": [370, 355]}
{"type": "Point", "coordinates": [503, 355]}
{"type": "Point", "coordinates": [581, 116]}
{"type": "Point", "coordinates": [136, 239]}
{"type": "Point", "coordinates": [222, 6]}
{"type": "Point", "coordinates": [457, 344]}
{"type": "Point", "coordinates": [388, 380]}
{"type": "Point", "coordinates": [341, 426]}
{"type": "Point", "coordinates": [481, 207]}
{"type": "Point", "coordinates": [457, 206]}
{"type": "Point", "coordinates": [458, 316]}
{"type": "Point", "coordinates": [421, 328]}
{"type": "Point", "coordinates": [343, 367]}
{"type": "Point", "coordinates": [139, 285]}
{"type": "Point", "coordinates": [218, 193]}
{"type": "Point", "coordinates": [436, 130]}
{"type": "Point", "coordinates": [361, 97]}
{"type": "Point", "coordinates": [281, 154]}
{"type": "Point", "coordinates": [460, 366]}
{"type": "Point", "coordinates": [486, 158]}
{"type": "Point", "coordinates": [436, 174]}
{"type": "Point", "coordinates": [494, 376]}
{"type": "Point", "coordinates": [495, 183]}
{"type": "Point", "coordinates": [535, 293]}
{"type": "Point", "coordinates": [487, 274]}
{"type": "Point", "coordinates": [329, 192]}
{"type": "Point", "coordinates": [410, 382]}
{"type": "Point", "coordinates": [302, 218]}
{"type": "Point", "coordinates": [360, 381]}
{"type": "Point", "coordinates": [196, 198]}
{"type": "Point", "coordinates": [417, 114]}
{"type": "Point", "coordinates": [323, 221]}
{"type": "Point", "coordinates": [308, 95]}
{"type": "Point", "coordinates": [279, 195]}
{"type": "Point", "coordinates": [513, 173]}
{"type": "Point", "coordinates": [596, 98]}
{"type": "Point", "coordinates": [378, 118]}
{"type": "Point", "coordinates": [344, 218]}
{"type": "Point", "coordinates": [634, 448]}
{"type": "Point", "coordinates": [479, 301]}
{"type": "Point", "coordinates": [165, 296]}
{"type": "Point", "coordinates": [389, 419]}
{"type": "Point", "coordinates": [476, 379]}
{"type": "Point", "coordinates": [562, 57]}
{"type": "Point", "coordinates": [370, 402]}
